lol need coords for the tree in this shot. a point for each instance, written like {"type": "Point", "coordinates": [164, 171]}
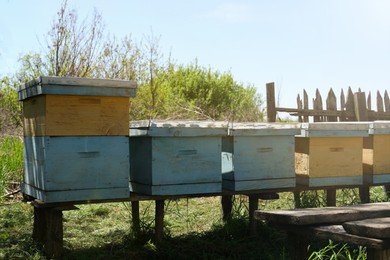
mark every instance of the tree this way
{"type": "Point", "coordinates": [165, 90]}
{"type": "Point", "coordinates": [72, 46]}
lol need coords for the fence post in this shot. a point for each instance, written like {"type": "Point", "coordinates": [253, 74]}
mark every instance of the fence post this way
{"type": "Point", "coordinates": [271, 108]}
{"type": "Point", "coordinates": [360, 106]}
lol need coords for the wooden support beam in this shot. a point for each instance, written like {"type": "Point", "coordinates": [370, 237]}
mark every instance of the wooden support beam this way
{"type": "Point", "coordinates": [271, 111]}
{"type": "Point", "coordinates": [331, 197]}
{"type": "Point", "coordinates": [48, 230]}
{"type": "Point", "coordinates": [159, 221]}
{"type": "Point", "coordinates": [253, 206]}
{"type": "Point", "coordinates": [227, 205]}
{"type": "Point", "coordinates": [135, 218]}
{"type": "Point", "coordinates": [364, 193]}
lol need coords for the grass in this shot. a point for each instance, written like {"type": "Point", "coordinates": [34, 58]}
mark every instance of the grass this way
{"type": "Point", "coordinates": [193, 227]}
{"type": "Point", "coordinates": [11, 163]}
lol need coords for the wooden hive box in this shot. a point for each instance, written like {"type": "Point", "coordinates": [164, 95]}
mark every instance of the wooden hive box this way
{"type": "Point", "coordinates": [262, 157]}
{"type": "Point", "coordinates": [63, 106]}
{"type": "Point", "coordinates": [376, 154]}
{"type": "Point", "coordinates": [176, 157]}
{"type": "Point", "coordinates": [330, 154]}
{"type": "Point", "coordinates": [59, 169]}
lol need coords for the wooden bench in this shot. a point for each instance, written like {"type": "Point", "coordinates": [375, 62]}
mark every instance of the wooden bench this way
{"type": "Point", "coordinates": [365, 225]}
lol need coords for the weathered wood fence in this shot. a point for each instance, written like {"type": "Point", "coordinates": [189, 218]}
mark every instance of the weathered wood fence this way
{"type": "Point", "coordinates": [355, 106]}
{"type": "Point", "coordinates": [352, 107]}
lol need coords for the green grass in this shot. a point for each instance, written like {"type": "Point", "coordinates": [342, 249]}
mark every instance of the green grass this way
{"type": "Point", "coordinates": [11, 163]}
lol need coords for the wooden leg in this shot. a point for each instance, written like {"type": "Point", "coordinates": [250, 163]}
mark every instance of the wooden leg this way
{"type": "Point", "coordinates": [297, 246]}
{"type": "Point", "coordinates": [297, 199]}
{"type": "Point", "coordinates": [331, 197]}
{"type": "Point", "coordinates": [159, 225]}
{"type": "Point", "coordinates": [54, 233]}
{"type": "Point", "coordinates": [39, 227]}
{"type": "Point", "coordinates": [227, 205]}
{"type": "Point", "coordinates": [364, 193]}
{"type": "Point", "coordinates": [135, 217]}
{"type": "Point", "coordinates": [387, 190]}
{"type": "Point", "coordinates": [378, 254]}
{"type": "Point", "coordinates": [253, 206]}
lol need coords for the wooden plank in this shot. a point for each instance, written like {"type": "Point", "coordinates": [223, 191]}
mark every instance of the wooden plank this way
{"type": "Point", "coordinates": [325, 215]}
{"type": "Point", "coordinates": [342, 105]}
{"type": "Point", "coordinates": [387, 102]}
{"type": "Point", "coordinates": [317, 105]}
{"type": "Point", "coordinates": [331, 104]}
{"type": "Point", "coordinates": [360, 106]}
{"type": "Point", "coordinates": [314, 112]}
{"type": "Point", "coordinates": [271, 112]}
{"type": "Point", "coordinates": [305, 105]}
{"type": "Point", "coordinates": [350, 106]}
{"type": "Point", "coordinates": [369, 101]}
{"type": "Point", "coordinates": [379, 102]}
{"type": "Point", "coordinates": [338, 234]}
{"type": "Point", "coordinates": [299, 106]}
{"type": "Point", "coordinates": [373, 227]}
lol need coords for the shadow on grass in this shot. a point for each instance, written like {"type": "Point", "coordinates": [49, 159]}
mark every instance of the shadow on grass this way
{"type": "Point", "coordinates": [224, 241]}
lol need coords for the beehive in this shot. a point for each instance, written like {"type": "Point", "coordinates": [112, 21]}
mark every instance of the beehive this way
{"type": "Point", "coordinates": [56, 106]}
{"type": "Point", "coordinates": [376, 154]}
{"type": "Point", "coordinates": [262, 157]}
{"type": "Point", "coordinates": [176, 158]}
{"type": "Point", "coordinates": [76, 138]}
{"type": "Point", "coordinates": [330, 154]}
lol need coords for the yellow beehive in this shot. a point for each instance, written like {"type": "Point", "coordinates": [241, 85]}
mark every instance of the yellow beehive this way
{"type": "Point", "coordinates": [376, 154]}
{"type": "Point", "coordinates": [330, 154]}
{"type": "Point", "coordinates": [57, 106]}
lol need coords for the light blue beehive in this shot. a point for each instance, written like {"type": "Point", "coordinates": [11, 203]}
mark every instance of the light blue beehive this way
{"type": "Point", "coordinates": [262, 156]}
{"type": "Point", "coordinates": [75, 150]}
{"type": "Point", "coordinates": [176, 157]}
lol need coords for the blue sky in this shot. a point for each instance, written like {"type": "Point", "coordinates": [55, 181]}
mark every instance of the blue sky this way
{"type": "Point", "coordinates": [297, 44]}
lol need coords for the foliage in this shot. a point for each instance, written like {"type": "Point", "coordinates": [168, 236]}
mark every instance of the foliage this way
{"type": "Point", "coordinates": [165, 90]}
{"type": "Point", "coordinates": [11, 163]}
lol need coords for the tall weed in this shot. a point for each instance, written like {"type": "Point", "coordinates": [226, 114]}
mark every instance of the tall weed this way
{"type": "Point", "coordinates": [11, 162]}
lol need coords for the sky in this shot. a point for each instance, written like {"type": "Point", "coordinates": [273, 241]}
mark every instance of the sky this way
{"type": "Point", "coordinates": [301, 44]}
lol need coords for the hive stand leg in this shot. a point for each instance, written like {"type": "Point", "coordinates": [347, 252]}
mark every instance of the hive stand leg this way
{"type": "Point", "coordinates": [135, 218]}
{"type": "Point", "coordinates": [253, 206]}
{"type": "Point", "coordinates": [39, 226]}
{"type": "Point", "coordinates": [297, 199]}
{"type": "Point", "coordinates": [378, 254]}
{"type": "Point", "coordinates": [48, 230]}
{"type": "Point", "coordinates": [227, 205]}
{"type": "Point", "coordinates": [331, 197]}
{"type": "Point", "coordinates": [387, 190]}
{"type": "Point", "coordinates": [297, 246]}
{"type": "Point", "coordinates": [54, 233]}
{"type": "Point", "coordinates": [364, 194]}
{"type": "Point", "coordinates": [159, 224]}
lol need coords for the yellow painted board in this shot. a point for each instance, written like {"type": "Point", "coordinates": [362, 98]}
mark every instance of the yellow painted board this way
{"type": "Point", "coordinates": [376, 154]}
{"type": "Point", "coordinates": [63, 115]}
{"type": "Point", "coordinates": [329, 156]}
